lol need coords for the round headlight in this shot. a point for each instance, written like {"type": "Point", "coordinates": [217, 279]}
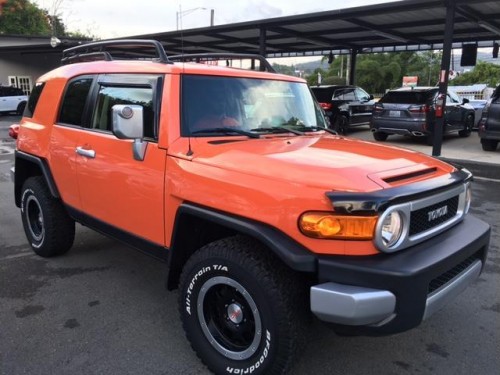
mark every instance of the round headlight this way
{"type": "Point", "coordinates": [392, 228]}
{"type": "Point", "coordinates": [468, 198]}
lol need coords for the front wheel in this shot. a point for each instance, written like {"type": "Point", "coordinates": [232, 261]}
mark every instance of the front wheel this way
{"type": "Point", "coordinates": [341, 124]}
{"type": "Point", "coordinates": [49, 229]}
{"type": "Point", "coordinates": [380, 136]}
{"type": "Point", "coordinates": [469, 122]}
{"type": "Point", "coordinates": [241, 309]}
{"type": "Point", "coordinates": [20, 108]}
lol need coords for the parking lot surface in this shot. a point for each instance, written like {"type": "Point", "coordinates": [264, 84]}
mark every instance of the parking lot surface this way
{"type": "Point", "coordinates": [103, 309]}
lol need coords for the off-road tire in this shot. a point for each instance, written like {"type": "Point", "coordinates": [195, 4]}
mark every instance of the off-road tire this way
{"type": "Point", "coordinates": [489, 144]}
{"type": "Point", "coordinates": [469, 123]}
{"type": "Point", "coordinates": [49, 229]}
{"type": "Point", "coordinates": [380, 136]}
{"type": "Point", "coordinates": [234, 287]}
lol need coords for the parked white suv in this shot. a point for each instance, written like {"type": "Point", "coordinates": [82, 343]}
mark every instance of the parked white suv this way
{"type": "Point", "coordinates": [12, 99]}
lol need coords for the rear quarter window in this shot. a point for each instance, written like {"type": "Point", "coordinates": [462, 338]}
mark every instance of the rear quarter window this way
{"type": "Point", "coordinates": [75, 98]}
{"type": "Point", "coordinates": [33, 99]}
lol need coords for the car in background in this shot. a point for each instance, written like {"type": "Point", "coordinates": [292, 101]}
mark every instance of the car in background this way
{"type": "Point", "coordinates": [345, 106]}
{"type": "Point", "coordinates": [12, 99]}
{"type": "Point", "coordinates": [478, 105]}
{"type": "Point", "coordinates": [411, 111]}
{"type": "Point", "coordinates": [489, 125]}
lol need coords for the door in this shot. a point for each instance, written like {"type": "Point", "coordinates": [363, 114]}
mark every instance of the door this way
{"type": "Point", "coordinates": [454, 112]}
{"type": "Point", "coordinates": [116, 189]}
{"type": "Point", "coordinates": [364, 105]}
{"type": "Point", "coordinates": [345, 100]}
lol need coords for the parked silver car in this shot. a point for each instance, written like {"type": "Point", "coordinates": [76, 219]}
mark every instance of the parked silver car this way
{"type": "Point", "coordinates": [412, 111]}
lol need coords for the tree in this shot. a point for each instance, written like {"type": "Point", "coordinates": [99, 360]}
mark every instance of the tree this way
{"type": "Point", "coordinates": [22, 17]}
{"type": "Point", "coordinates": [284, 69]}
{"type": "Point", "coordinates": [377, 72]}
{"type": "Point", "coordinates": [483, 72]}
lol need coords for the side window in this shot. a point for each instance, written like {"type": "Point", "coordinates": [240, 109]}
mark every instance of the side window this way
{"type": "Point", "coordinates": [33, 99]}
{"type": "Point", "coordinates": [362, 95]}
{"type": "Point", "coordinates": [344, 94]}
{"type": "Point", "coordinates": [453, 97]}
{"type": "Point", "coordinates": [450, 99]}
{"type": "Point", "coordinates": [110, 95]}
{"type": "Point", "coordinates": [74, 101]}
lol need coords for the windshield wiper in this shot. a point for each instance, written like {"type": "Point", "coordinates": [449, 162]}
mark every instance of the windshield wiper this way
{"type": "Point", "coordinates": [278, 129]}
{"type": "Point", "coordinates": [305, 128]}
{"type": "Point", "coordinates": [227, 130]}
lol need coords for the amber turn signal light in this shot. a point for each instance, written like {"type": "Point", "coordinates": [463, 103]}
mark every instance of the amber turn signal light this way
{"type": "Point", "coordinates": [332, 226]}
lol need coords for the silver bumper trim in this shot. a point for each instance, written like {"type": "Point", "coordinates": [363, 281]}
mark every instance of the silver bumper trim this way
{"type": "Point", "coordinates": [351, 305]}
{"type": "Point", "coordinates": [449, 291]}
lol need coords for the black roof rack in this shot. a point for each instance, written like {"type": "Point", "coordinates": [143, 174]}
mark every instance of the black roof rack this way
{"type": "Point", "coordinates": [120, 49]}
{"type": "Point", "coordinates": [200, 57]}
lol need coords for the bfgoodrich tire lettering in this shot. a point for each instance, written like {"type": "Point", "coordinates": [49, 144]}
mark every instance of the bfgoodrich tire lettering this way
{"type": "Point", "coordinates": [241, 308]}
{"type": "Point", "coordinates": [49, 229]}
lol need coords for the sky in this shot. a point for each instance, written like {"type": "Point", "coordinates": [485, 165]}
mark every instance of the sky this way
{"type": "Point", "coordinates": [120, 18]}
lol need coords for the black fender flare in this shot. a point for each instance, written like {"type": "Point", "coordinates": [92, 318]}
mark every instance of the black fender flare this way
{"type": "Point", "coordinates": [21, 173]}
{"type": "Point", "coordinates": [293, 254]}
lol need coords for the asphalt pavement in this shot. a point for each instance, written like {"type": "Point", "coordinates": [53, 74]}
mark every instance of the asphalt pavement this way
{"type": "Point", "coordinates": [103, 309]}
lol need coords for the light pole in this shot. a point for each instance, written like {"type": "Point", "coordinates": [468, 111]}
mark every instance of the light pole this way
{"type": "Point", "coordinates": [181, 13]}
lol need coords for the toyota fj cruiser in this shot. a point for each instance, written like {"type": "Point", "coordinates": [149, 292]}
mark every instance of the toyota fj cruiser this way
{"type": "Point", "coordinates": [263, 214]}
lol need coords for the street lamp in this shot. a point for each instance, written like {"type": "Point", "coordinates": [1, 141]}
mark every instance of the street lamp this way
{"type": "Point", "coordinates": [182, 13]}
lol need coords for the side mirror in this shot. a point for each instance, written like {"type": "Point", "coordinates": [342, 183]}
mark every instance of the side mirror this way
{"type": "Point", "coordinates": [465, 101]}
{"type": "Point", "coordinates": [128, 123]}
{"type": "Point", "coordinates": [371, 97]}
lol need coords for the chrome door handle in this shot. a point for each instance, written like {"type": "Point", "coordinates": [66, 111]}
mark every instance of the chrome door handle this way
{"type": "Point", "coordinates": [86, 153]}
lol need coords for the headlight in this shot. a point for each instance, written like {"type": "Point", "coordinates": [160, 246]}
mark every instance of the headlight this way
{"type": "Point", "coordinates": [391, 228]}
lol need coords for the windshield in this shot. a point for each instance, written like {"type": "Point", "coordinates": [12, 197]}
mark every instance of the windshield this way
{"type": "Point", "coordinates": [258, 105]}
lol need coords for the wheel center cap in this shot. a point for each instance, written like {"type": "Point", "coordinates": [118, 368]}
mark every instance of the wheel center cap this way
{"type": "Point", "coordinates": [235, 313]}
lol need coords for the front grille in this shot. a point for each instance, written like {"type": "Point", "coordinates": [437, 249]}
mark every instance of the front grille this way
{"type": "Point", "coordinates": [449, 275]}
{"type": "Point", "coordinates": [420, 220]}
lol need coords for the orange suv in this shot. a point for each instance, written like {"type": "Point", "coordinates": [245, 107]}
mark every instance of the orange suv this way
{"type": "Point", "coordinates": [265, 216]}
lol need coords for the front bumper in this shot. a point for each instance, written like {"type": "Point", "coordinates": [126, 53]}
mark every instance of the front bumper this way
{"type": "Point", "coordinates": [389, 293]}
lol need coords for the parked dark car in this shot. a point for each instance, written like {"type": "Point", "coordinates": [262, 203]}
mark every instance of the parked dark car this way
{"type": "Point", "coordinates": [411, 111]}
{"type": "Point", "coordinates": [12, 99]}
{"type": "Point", "coordinates": [478, 105]}
{"type": "Point", "coordinates": [345, 106]}
{"type": "Point", "coordinates": [489, 125]}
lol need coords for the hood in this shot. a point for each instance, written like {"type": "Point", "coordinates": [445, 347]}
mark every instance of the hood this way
{"type": "Point", "coordinates": [329, 162]}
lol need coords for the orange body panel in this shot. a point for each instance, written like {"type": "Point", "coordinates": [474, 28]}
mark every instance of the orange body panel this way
{"type": "Point", "coordinates": [273, 179]}
{"type": "Point", "coordinates": [276, 179]}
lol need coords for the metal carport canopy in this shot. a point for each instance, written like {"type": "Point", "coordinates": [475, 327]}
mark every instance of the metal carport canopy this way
{"type": "Point", "coordinates": [410, 25]}
{"type": "Point", "coordinates": [398, 26]}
